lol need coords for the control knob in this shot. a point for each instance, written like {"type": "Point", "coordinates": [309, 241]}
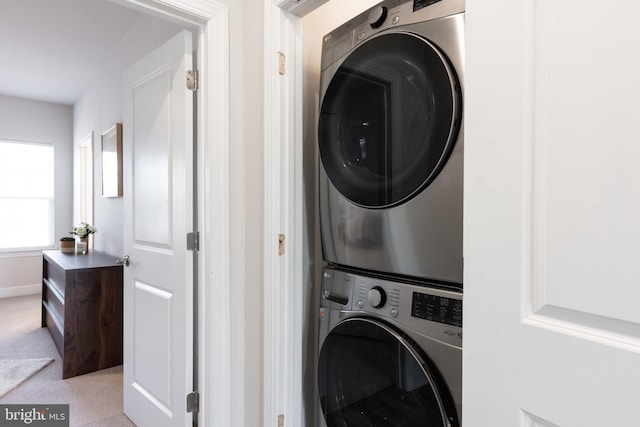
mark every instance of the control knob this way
{"type": "Point", "coordinates": [377, 15]}
{"type": "Point", "coordinates": [377, 297]}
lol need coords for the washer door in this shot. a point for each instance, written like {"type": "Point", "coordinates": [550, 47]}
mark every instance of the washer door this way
{"type": "Point", "coordinates": [389, 120]}
{"type": "Point", "coordinates": [369, 375]}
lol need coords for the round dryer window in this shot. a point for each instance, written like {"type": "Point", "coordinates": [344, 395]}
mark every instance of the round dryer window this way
{"type": "Point", "coordinates": [389, 119]}
{"type": "Point", "coordinates": [370, 375]}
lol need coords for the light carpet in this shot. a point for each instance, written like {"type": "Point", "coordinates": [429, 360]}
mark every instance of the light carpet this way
{"type": "Point", "coordinates": [14, 372]}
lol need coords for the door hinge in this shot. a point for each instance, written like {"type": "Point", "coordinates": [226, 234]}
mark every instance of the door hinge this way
{"type": "Point", "coordinates": [193, 241]}
{"type": "Point", "coordinates": [281, 420]}
{"type": "Point", "coordinates": [193, 402]}
{"type": "Point", "coordinates": [280, 244]}
{"type": "Point", "coordinates": [281, 64]}
{"type": "Point", "coordinates": [193, 80]}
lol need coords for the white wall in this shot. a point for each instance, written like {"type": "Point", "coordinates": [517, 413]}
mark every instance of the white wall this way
{"type": "Point", "coordinates": [35, 121]}
{"type": "Point", "coordinates": [99, 108]}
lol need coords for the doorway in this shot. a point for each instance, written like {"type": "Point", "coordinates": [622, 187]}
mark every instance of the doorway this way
{"type": "Point", "coordinates": [210, 21]}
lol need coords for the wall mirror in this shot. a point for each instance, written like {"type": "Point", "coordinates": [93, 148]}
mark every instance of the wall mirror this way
{"type": "Point", "coordinates": [112, 162]}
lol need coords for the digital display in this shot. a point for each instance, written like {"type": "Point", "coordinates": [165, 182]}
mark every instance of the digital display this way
{"type": "Point", "coordinates": [437, 309]}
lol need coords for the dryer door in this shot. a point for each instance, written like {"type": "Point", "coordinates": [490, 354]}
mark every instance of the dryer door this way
{"type": "Point", "coordinates": [370, 375]}
{"type": "Point", "coordinates": [389, 119]}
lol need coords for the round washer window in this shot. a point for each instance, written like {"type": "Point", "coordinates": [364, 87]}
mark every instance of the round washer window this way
{"type": "Point", "coordinates": [369, 375]}
{"type": "Point", "coordinates": [388, 120]}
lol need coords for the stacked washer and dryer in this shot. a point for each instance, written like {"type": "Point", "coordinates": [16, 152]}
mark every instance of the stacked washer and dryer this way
{"type": "Point", "coordinates": [391, 140]}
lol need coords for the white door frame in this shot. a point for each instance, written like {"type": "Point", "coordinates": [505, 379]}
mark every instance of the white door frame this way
{"type": "Point", "coordinates": [211, 21]}
{"type": "Point", "coordinates": [284, 286]}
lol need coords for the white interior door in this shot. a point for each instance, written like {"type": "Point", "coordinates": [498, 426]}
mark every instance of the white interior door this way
{"type": "Point", "coordinates": [158, 199]}
{"type": "Point", "coordinates": [552, 209]}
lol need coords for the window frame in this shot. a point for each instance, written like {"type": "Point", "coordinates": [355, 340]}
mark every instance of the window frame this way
{"type": "Point", "coordinates": [6, 251]}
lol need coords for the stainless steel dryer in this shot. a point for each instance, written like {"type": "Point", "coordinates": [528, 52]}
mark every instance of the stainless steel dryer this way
{"type": "Point", "coordinates": [391, 141]}
{"type": "Point", "coordinates": [390, 353]}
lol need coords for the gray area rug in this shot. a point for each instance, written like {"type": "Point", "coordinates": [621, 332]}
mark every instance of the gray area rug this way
{"type": "Point", "coordinates": [14, 372]}
{"type": "Point", "coordinates": [95, 399]}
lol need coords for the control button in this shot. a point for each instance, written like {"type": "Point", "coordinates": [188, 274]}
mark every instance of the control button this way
{"type": "Point", "coordinates": [377, 15]}
{"type": "Point", "coordinates": [361, 36]}
{"type": "Point", "coordinates": [394, 312]}
{"type": "Point", "coordinates": [395, 20]}
{"type": "Point", "coordinates": [377, 297]}
{"type": "Point", "coordinates": [360, 304]}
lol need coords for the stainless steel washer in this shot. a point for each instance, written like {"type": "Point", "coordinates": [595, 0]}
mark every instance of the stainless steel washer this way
{"type": "Point", "coordinates": [390, 137]}
{"type": "Point", "coordinates": [390, 353]}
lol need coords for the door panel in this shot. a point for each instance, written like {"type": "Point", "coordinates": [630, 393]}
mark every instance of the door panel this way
{"type": "Point", "coordinates": [152, 305]}
{"type": "Point", "coordinates": [153, 225]}
{"type": "Point", "coordinates": [588, 214]}
{"type": "Point", "coordinates": [552, 197]}
{"type": "Point", "coordinates": [158, 341]}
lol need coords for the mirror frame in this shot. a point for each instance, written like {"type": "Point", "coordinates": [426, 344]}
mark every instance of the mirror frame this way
{"type": "Point", "coordinates": [112, 171]}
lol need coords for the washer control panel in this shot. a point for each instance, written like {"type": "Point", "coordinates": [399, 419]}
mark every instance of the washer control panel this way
{"type": "Point", "coordinates": [431, 311]}
{"type": "Point", "coordinates": [386, 15]}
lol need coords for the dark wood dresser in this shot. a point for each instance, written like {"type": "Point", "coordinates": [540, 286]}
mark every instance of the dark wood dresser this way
{"type": "Point", "coordinates": [82, 307]}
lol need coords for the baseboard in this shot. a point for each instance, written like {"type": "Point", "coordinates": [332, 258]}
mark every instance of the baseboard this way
{"type": "Point", "coordinates": [16, 291]}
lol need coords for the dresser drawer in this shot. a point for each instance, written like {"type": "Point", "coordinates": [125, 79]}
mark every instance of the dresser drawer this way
{"type": "Point", "coordinates": [55, 276]}
{"type": "Point", "coordinates": [57, 334]}
{"type": "Point", "coordinates": [53, 302]}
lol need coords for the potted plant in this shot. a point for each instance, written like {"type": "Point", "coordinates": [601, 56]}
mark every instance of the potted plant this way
{"type": "Point", "coordinates": [67, 244]}
{"type": "Point", "coordinates": [83, 230]}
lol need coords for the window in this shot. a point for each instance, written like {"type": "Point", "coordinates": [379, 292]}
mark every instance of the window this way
{"type": "Point", "coordinates": [26, 195]}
